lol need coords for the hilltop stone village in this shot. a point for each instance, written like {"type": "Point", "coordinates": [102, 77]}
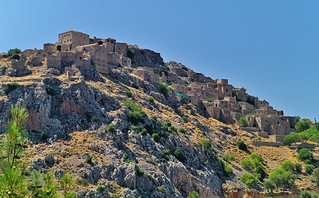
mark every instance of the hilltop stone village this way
{"type": "Point", "coordinates": [75, 54]}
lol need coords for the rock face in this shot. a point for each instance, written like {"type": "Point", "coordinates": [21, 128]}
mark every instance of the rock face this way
{"type": "Point", "coordinates": [147, 58]}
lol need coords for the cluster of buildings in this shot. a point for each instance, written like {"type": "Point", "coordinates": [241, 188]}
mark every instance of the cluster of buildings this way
{"type": "Point", "coordinates": [217, 98]}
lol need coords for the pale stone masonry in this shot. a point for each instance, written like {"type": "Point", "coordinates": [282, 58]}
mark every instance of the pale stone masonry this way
{"type": "Point", "coordinates": [217, 98]}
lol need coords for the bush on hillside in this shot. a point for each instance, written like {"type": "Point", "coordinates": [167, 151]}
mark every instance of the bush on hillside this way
{"type": "Point", "coordinates": [241, 145]}
{"type": "Point", "coordinates": [249, 179]}
{"type": "Point", "coordinates": [243, 122]}
{"type": "Point", "coordinates": [305, 155]}
{"type": "Point", "coordinates": [302, 125]}
{"type": "Point", "coordinates": [163, 88]}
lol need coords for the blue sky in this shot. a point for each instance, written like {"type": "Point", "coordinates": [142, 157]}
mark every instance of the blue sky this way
{"type": "Point", "coordinates": [269, 47]}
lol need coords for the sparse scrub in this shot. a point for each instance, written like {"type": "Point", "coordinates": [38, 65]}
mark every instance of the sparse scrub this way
{"type": "Point", "coordinates": [269, 185]}
{"type": "Point", "coordinates": [7, 88]}
{"type": "Point", "coordinates": [163, 88]}
{"type": "Point", "coordinates": [209, 100]}
{"type": "Point", "coordinates": [50, 90]}
{"type": "Point", "coordinates": [247, 165]}
{"type": "Point", "coordinates": [193, 194]}
{"type": "Point", "coordinates": [243, 122]}
{"type": "Point", "coordinates": [249, 179]}
{"type": "Point", "coordinates": [161, 189]}
{"type": "Point", "coordinates": [150, 99]}
{"type": "Point", "coordinates": [156, 137]}
{"type": "Point", "coordinates": [110, 128]}
{"type": "Point", "coordinates": [185, 119]}
{"type": "Point", "coordinates": [228, 158]}
{"type": "Point", "coordinates": [309, 168]}
{"type": "Point", "coordinates": [205, 143]}
{"type": "Point", "coordinates": [13, 51]}
{"type": "Point", "coordinates": [82, 182]}
{"type": "Point", "coordinates": [128, 93]}
{"type": "Point", "coordinates": [179, 155]}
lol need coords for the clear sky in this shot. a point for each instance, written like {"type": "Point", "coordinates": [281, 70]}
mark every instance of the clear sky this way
{"type": "Point", "coordinates": [269, 47]}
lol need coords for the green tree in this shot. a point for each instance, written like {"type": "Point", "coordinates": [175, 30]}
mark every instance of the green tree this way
{"type": "Point", "coordinates": [12, 178]}
{"type": "Point", "coordinates": [291, 138]}
{"type": "Point", "coordinates": [282, 178]}
{"type": "Point", "coordinates": [302, 125]}
{"type": "Point", "coordinates": [247, 164]}
{"type": "Point", "coordinates": [305, 155]}
{"type": "Point", "coordinates": [309, 168]}
{"type": "Point", "coordinates": [288, 166]}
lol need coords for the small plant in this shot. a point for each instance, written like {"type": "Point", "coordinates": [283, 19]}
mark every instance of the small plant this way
{"type": "Point", "coordinates": [316, 175]}
{"type": "Point", "coordinates": [139, 172]}
{"type": "Point", "coordinates": [203, 132]}
{"type": "Point", "coordinates": [308, 194]}
{"type": "Point", "coordinates": [7, 88]}
{"type": "Point", "coordinates": [249, 179]}
{"type": "Point", "coordinates": [205, 143]}
{"type": "Point", "coordinates": [298, 168]}
{"type": "Point", "coordinates": [172, 129]}
{"type": "Point", "coordinates": [185, 119]}
{"type": "Point", "coordinates": [309, 168]}
{"type": "Point", "coordinates": [182, 130]}
{"type": "Point", "coordinates": [241, 145]}
{"type": "Point", "coordinates": [163, 88]}
{"type": "Point", "coordinates": [82, 182]}
{"type": "Point", "coordinates": [156, 137]}
{"type": "Point", "coordinates": [50, 90]}
{"type": "Point", "coordinates": [13, 51]}
{"type": "Point", "coordinates": [115, 196]}
{"type": "Point", "coordinates": [101, 188]}
{"type": "Point", "coordinates": [94, 119]}
{"type": "Point", "coordinates": [89, 159]}
{"type": "Point", "coordinates": [227, 171]}
{"type": "Point", "coordinates": [110, 128]}
{"type": "Point", "coordinates": [228, 158]}
{"type": "Point", "coordinates": [44, 136]}
{"type": "Point", "coordinates": [161, 189]}
{"type": "Point", "coordinates": [243, 122]}
{"type": "Point", "coordinates": [209, 100]}
{"type": "Point", "coordinates": [247, 164]}
{"type": "Point", "coordinates": [255, 156]}
{"type": "Point", "coordinates": [193, 194]}
{"type": "Point", "coordinates": [150, 99]}
{"type": "Point", "coordinates": [143, 132]}
{"type": "Point", "coordinates": [179, 155]}
{"type": "Point", "coordinates": [214, 150]}
{"type": "Point", "coordinates": [128, 93]}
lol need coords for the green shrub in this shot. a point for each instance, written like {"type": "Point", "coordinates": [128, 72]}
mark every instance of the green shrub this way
{"type": "Point", "coordinates": [136, 128]}
{"type": "Point", "coordinates": [165, 125]}
{"type": "Point", "coordinates": [255, 156]}
{"type": "Point", "coordinates": [228, 158]}
{"type": "Point", "coordinates": [260, 173]}
{"type": "Point", "coordinates": [203, 132]}
{"type": "Point", "coordinates": [110, 128]}
{"type": "Point", "coordinates": [156, 137]}
{"type": "Point", "coordinates": [132, 105]}
{"type": "Point", "coordinates": [82, 182]}
{"type": "Point", "coordinates": [247, 164]}
{"type": "Point", "coordinates": [243, 122]}
{"type": "Point", "coordinates": [50, 90]}
{"type": "Point", "coordinates": [227, 171]}
{"type": "Point", "coordinates": [298, 168]}
{"type": "Point", "coordinates": [115, 196]}
{"type": "Point", "coordinates": [269, 185]}
{"type": "Point", "coordinates": [128, 93]}
{"type": "Point", "coordinates": [305, 155]}
{"type": "Point", "coordinates": [205, 143]}
{"type": "Point", "coordinates": [182, 130]}
{"type": "Point", "coordinates": [193, 194]}
{"type": "Point", "coordinates": [89, 159]}
{"type": "Point", "coordinates": [143, 132]}
{"type": "Point", "coordinates": [162, 70]}
{"type": "Point", "coordinates": [316, 175]}
{"type": "Point", "coordinates": [101, 188]}
{"type": "Point", "coordinates": [241, 145]}
{"type": "Point", "coordinates": [167, 151]}
{"type": "Point", "coordinates": [309, 168]}
{"type": "Point", "coordinates": [179, 155]}
{"type": "Point", "coordinates": [150, 99]}
{"type": "Point", "coordinates": [7, 88]}
{"type": "Point", "coordinates": [288, 166]}
{"type": "Point", "coordinates": [135, 85]}
{"type": "Point", "coordinates": [209, 99]}
{"type": "Point", "coordinates": [308, 194]}
{"type": "Point", "coordinates": [161, 189]}
{"type": "Point", "coordinates": [291, 138]}
{"type": "Point", "coordinates": [249, 179]}
{"type": "Point", "coordinates": [13, 51]}
{"type": "Point", "coordinates": [139, 172]}
{"type": "Point", "coordinates": [302, 125]}
{"type": "Point", "coordinates": [163, 88]}
{"type": "Point", "coordinates": [172, 129]}
{"type": "Point", "coordinates": [94, 119]}
{"type": "Point", "coordinates": [136, 117]}
{"type": "Point", "coordinates": [185, 119]}
{"type": "Point", "coordinates": [44, 136]}
{"type": "Point", "coordinates": [282, 178]}
{"type": "Point", "coordinates": [214, 150]}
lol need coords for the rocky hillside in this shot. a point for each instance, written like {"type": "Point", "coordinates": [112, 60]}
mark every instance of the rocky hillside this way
{"type": "Point", "coordinates": [128, 131]}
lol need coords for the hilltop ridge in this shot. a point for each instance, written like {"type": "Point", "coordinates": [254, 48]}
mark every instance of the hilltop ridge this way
{"type": "Point", "coordinates": [152, 128]}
